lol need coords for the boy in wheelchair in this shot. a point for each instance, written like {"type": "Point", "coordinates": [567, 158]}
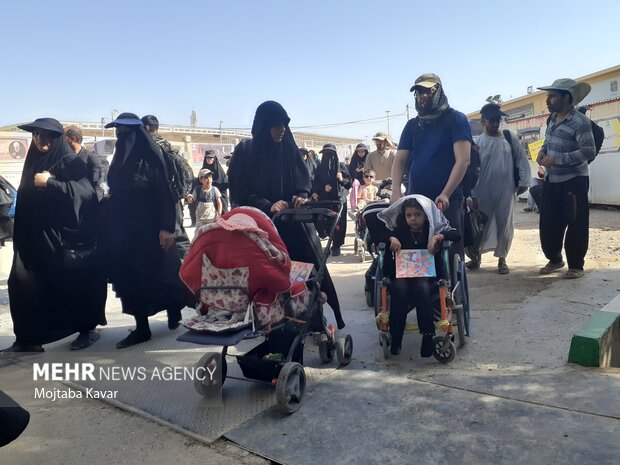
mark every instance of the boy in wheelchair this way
{"type": "Point", "coordinates": [415, 223]}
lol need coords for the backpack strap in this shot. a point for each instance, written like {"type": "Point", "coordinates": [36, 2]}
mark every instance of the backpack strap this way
{"type": "Point", "coordinates": [508, 137]}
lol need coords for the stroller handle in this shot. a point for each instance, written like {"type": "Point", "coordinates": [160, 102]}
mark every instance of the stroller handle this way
{"type": "Point", "coordinates": [310, 212]}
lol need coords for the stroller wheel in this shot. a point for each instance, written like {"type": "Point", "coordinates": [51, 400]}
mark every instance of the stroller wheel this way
{"type": "Point", "coordinates": [210, 385]}
{"type": "Point", "coordinates": [362, 255]}
{"type": "Point", "coordinates": [370, 301]}
{"type": "Point", "coordinates": [444, 350]}
{"type": "Point", "coordinates": [290, 387]}
{"type": "Point", "coordinates": [344, 350]}
{"type": "Point", "coordinates": [326, 349]}
{"type": "Point", "coordinates": [355, 248]}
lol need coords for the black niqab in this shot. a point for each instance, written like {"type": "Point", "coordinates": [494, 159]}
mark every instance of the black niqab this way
{"type": "Point", "coordinates": [264, 169]}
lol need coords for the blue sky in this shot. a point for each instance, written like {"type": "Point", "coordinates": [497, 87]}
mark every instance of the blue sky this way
{"type": "Point", "coordinates": [324, 61]}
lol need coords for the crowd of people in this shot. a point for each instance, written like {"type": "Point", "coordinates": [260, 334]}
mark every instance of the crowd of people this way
{"type": "Point", "coordinates": [80, 224]}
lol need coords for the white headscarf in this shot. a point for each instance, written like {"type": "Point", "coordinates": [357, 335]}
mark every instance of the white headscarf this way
{"type": "Point", "coordinates": [436, 220]}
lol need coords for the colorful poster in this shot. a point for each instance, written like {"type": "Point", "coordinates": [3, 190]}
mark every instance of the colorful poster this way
{"type": "Point", "coordinates": [300, 271]}
{"type": "Point", "coordinates": [415, 263]}
{"type": "Point", "coordinates": [535, 148]}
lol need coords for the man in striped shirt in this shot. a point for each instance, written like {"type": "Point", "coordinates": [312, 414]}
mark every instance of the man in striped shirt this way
{"type": "Point", "coordinates": [568, 147]}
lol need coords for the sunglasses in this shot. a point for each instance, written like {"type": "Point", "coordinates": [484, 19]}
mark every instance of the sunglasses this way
{"type": "Point", "coordinates": [369, 176]}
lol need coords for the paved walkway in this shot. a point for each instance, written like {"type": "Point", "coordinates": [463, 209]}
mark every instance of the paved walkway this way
{"type": "Point", "coordinates": [508, 398]}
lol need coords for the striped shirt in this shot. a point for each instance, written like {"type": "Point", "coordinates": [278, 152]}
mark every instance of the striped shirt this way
{"type": "Point", "coordinates": [571, 145]}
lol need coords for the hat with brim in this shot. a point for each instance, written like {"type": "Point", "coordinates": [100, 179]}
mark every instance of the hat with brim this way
{"type": "Point", "coordinates": [125, 119]}
{"type": "Point", "coordinates": [579, 90]}
{"type": "Point", "coordinates": [491, 111]}
{"type": "Point", "coordinates": [426, 81]}
{"type": "Point", "coordinates": [381, 136]}
{"type": "Point", "coordinates": [204, 172]}
{"type": "Point", "coordinates": [327, 147]}
{"type": "Point", "coordinates": [210, 153]}
{"type": "Point", "coordinates": [47, 124]}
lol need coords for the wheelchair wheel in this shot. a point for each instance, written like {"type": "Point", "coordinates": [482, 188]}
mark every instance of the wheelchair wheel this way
{"type": "Point", "coordinates": [444, 349]}
{"type": "Point", "coordinates": [384, 340]}
{"type": "Point", "coordinates": [465, 298]}
{"type": "Point", "coordinates": [378, 285]}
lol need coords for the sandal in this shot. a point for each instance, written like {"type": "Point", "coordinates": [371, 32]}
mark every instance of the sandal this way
{"type": "Point", "coordinates": [502, 268]}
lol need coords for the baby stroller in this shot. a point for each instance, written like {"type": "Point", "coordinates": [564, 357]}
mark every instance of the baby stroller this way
{"type": "Point", "coordinates": [360, 242]}
{"type": "Point", "coordinates": [240, 271]}
{"type": "Point", "coordinates": [450, 303]}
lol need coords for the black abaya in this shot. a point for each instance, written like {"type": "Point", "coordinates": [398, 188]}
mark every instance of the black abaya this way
{"type": "Point", "coordinates": [326, 174]}
{"type": "Point", "coordinates": [47, 301]}
{"type": "Point", "coordinates": [263, 172]}
{"type": "Point", "coordinates": [145, 277]}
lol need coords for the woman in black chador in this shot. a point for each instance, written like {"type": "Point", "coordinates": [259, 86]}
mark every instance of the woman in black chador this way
{"type": "Point", "coordinates": [267, 173]}
{"type": "Point", "coordinates": [220, 179]}
{"type": "Point", "coordinates": [141, 261]}
{"type": "Point", "coordinates": [332, 181]}
{"type": "Point", "coordinates": [53, 293]}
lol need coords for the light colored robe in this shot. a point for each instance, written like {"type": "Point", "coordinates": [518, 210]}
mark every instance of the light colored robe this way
{"type": "Point", "coordinates": [495, 190]}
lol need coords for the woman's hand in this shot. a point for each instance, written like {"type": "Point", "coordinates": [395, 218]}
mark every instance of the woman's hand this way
{"type": "Point", "coordinates": [40, 179]}
{"type": "Point", "coordinates": [299, 201]}
{"type": "Point", "coordinates": [394, 245]}
{"type": "Point", "coordinates": [278, 206]}
{"type": "Point", "coordinates": [166, 239]}
{"type": "Point", "coordinates": [434, 245]}
{"type": "Point", "coordinates": [189, 198]}
{"type": "Point", "coordinates": [339, 176]}
{"type": "Point", "coordinates": [315, 196]}
{"type": "Point", "coordinates": [328, 187]}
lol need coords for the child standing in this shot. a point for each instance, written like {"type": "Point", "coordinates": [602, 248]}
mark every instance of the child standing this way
{"type": "Point", "coordinates": [369, 192]}
{"type": "Point", "coordinates": [416, 223]}
{"type": "Point", "coordinates": [208, 198]}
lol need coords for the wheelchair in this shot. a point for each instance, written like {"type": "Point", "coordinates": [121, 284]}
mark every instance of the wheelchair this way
{"type": "Point", "coordinates": [450, 301]}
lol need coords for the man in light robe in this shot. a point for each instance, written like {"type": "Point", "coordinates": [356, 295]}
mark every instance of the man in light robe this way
{"type": "Point", "coordinates": [501, 156]}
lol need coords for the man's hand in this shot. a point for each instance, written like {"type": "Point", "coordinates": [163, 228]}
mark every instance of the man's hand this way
{"type": "Point", "coordinates": [442, 202]}
{"type": "Point", "coordinates": [339, 176]}
{"type": "Point", "coordinates": [328, 187]}
{"type": "Point", "coordinates": [540, 156]}
{"type": "Point", "coordinates": [166, 239]}
{"type": "Point", "coordinates": [546, 161]}
{"type": "Point", "coordinates": [521, 190]}
{"type": "Point", "coordinates": [299, 201]}
{"type": "Point", "coordinates": [189, 198]}
{"type": "Point", "coordinates": [278, 206]}
{"type": "Point", "coordinates": [394, 245]}
{"type": "Point", "coordinates": [315, 196]}
{"type": "Point", "coordinates": [40, 179]}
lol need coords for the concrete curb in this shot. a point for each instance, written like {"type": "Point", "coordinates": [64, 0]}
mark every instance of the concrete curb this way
{"type": "Point", "coordinates": [597, 342]}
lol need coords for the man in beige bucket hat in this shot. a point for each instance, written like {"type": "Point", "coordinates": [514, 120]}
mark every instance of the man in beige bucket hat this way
{"type": "Point", "coordinates": [381, 160]}
{"type": "Point", "coordinates": [568, 147]}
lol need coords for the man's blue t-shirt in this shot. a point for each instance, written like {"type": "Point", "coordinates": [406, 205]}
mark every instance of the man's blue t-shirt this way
{"type": "Point", "coordinates": [431, 152]}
